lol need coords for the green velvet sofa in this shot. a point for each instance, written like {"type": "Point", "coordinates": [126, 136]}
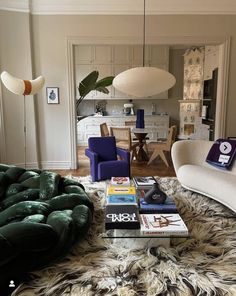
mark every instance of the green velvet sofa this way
{"type": "Point", "coordinates": [42, 215]}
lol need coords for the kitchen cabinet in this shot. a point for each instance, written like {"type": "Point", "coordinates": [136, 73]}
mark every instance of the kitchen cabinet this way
{"type": "Point", "coordinates": [84, 54]}
{"type": "Point", "coordinates": [90, 126]}
{"type": "Point", "coordinates": [111, 60]}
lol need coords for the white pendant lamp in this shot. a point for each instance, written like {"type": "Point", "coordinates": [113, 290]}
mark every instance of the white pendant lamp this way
{"type": "Point", "coordinates": [143, 81]}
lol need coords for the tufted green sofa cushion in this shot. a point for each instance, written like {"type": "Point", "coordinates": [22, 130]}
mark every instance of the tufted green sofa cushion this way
{"type": "Point", "coordinates": [42, 215]}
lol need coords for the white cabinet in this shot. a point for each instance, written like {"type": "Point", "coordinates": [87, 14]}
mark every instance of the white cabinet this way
{"type": "Point", "coordinates": [102, 54]}
{"type": "Point", "coordinates": [84, 54]}
{"type": "Point", "coordinates": [211, 61]}
{"type": "Point", "coordinates": [111, 60]}
{"type": "Point", "coordinates": [90, 126]}
{"type": "Point", "coordinates": [121, 54]}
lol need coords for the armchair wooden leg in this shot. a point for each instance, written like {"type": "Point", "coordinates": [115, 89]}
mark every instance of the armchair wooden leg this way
{"type": "Point", "coordinates": [153, 156]}
{"type": "Point", "coordinates": [163, 157]}
{"type": "Point", "coordinates": [157, 153]}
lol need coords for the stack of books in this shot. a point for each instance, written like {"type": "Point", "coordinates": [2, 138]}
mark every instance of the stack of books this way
{"type": "Point", "coordinates": [121, 205]}
{"type": "Point", "coordinates": [168, 206]}
{"type": "Point", "coordinates": [143, 185]}
{"type": "Point", "coordinates": [128, 212]}
{"type": "Point", "coordinates": [163, 225]}
{"type": "Point", "coordinates": [158, 219]}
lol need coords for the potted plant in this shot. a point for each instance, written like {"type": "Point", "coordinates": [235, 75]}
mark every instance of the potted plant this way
{"type": "Point", "coordinates": [90, 83]}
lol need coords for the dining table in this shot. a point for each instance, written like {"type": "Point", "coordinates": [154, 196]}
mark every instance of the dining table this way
{"type": "Point", "coordinates": [140, 134]}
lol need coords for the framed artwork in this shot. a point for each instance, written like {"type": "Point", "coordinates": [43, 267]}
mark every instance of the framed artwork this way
{"type": "Point", "coordinates": [52, 95]}
{"type": "Point", "coordinates": [188, 129]}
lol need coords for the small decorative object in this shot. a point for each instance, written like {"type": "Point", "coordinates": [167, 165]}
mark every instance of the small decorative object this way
{"type": "Point", "coordinates": [153, 109]}
{"type": "Point", "coordinates": [52, 95]}
{"type": "Point", "coordinates": [140, 118]}
{"type": "Point", "coordinates": [155, 195]}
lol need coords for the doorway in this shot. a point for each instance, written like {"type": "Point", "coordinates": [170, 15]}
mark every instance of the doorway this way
{"type": "Point", "coordinates": [224, 47]}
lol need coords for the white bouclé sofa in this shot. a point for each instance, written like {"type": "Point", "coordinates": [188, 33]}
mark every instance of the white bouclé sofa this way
{"type": "Point", "coordinates": [194, 173]}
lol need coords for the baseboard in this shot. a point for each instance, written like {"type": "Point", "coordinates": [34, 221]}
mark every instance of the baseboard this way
{"type": "Point", "coordinates": [55, 165]}
{"type": "Point", "coordinates": [45, 165]}
{"type": "Point", "coordinates": [29, 165]}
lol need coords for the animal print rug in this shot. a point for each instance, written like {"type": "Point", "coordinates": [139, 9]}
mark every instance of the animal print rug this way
{"type": "Point", "coordinates": [204, 264]}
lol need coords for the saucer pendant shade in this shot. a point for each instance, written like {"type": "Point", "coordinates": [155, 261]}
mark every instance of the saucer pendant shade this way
{"type": "Point", "coordinates": [143, 82]}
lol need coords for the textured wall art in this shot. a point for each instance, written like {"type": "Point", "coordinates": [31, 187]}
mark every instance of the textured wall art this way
{"type": "Point", "coordinates": [193, 73]}
{"type": "Point", "coordinates": [190, 106]}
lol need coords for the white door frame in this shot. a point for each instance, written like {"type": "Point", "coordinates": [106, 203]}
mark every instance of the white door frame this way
{"type": "Point", "coordinates": [2, 131]}
{"type": "Point", "coordinates": [224, 55]}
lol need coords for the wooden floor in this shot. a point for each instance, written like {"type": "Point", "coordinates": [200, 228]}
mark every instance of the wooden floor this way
{"type": "Point", "coordinates": [158, 168]}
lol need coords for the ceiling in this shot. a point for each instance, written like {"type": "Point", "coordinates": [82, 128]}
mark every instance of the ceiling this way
{"type": "Point", "coordinates": [120, 7]}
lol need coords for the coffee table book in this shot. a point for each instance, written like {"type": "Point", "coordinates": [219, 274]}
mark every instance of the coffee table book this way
{"type": "Point", "coordinates": [144, 182]}
{"type": "Point", "coordinates": [120, 181]}
{"type": "Point", "coordinates": [168, 207]}
{"type": "Point", "coordinates": [122, 199]}
{"type": "Point", "coordinates": [112, 190]}
{"type": "Point", "coordinates": [122, 217]}
{"type": "Point", "coordinates": [163, 225]}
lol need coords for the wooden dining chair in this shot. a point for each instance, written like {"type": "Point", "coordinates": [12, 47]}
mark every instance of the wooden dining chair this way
{"type": "Point", "coordinates": [123, 140]}
{"type": "Point", "coordinates": [104, 130]}
{"type": "Point", "coordinates": [132, 123]}
{"type": "Point", "coordinates": [159, 148]}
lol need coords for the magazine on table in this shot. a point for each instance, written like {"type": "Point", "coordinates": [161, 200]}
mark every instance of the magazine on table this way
{"type": "Point", "coordinates": [163, 224]}
{"type": "Point", "coordinates": [144, 182]}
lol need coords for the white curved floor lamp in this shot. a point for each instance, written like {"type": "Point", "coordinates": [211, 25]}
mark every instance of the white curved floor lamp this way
{"type": "Point", "coordinates": [22, 87]}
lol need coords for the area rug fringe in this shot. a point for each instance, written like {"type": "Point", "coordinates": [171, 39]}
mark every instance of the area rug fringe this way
{"type": "Point", "coordinates": [204, 264]}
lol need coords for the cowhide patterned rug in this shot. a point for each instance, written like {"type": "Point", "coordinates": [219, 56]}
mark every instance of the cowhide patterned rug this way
{"type": "Point", "coordinates": [204, 264]}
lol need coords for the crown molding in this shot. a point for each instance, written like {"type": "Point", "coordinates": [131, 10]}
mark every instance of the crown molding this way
{"type": "Point", "coordinates": [15, 5]}
{"type": "Point", "coordinates": [121, 7]}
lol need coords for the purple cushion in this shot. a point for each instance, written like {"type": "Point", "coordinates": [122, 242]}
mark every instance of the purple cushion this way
{"type": "Point", "coordinates": [114, 168]}
{"type": "Point", "coordinates": [222, 153]}
{"type": "Point", "coordinates": [105, 147]}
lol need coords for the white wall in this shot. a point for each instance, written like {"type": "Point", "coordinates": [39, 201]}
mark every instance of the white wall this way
{"type": "Point", "coordinates": [15, 58]}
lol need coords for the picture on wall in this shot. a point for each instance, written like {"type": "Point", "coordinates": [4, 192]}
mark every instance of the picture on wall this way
{"type": "Point", "coordinates": [188, 129]}
{"type": "Point", "coordinates": [52, 95]}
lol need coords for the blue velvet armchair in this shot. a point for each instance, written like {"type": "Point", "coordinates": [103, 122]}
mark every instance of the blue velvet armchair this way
{"type": "Point", "coordinates": [102, 152]}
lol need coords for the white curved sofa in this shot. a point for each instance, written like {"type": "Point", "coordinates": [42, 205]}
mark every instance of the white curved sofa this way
{"type": "Point", "coordinates": [194, 173]}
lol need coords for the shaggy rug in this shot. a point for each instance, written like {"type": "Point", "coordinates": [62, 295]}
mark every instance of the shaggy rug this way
{"type": "Point", "coordinates": [204, 264]}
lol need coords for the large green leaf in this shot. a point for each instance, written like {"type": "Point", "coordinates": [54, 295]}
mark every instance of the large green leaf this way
{"type": "Point", "coordinates": [88, 83]}
{"type": "Point", "coordinates": [103, 89]}
{"type": "Point", "coordinates": [106, 81]}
